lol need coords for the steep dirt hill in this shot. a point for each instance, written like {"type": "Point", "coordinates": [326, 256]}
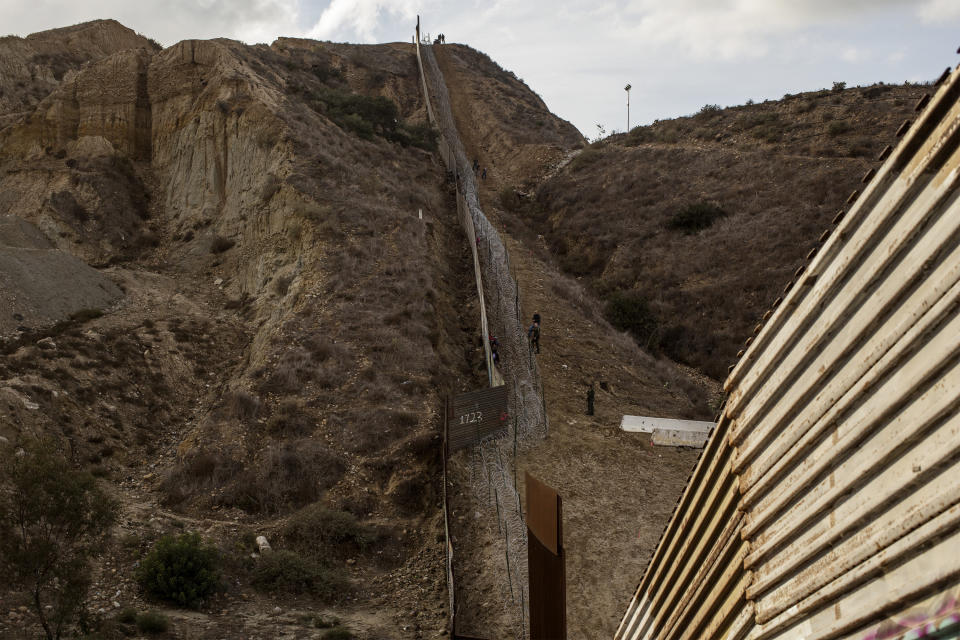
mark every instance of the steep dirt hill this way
{"type": "Point", "coordinates": [691, 227]}
{"type": "Point", "coordinates": [287, 327]}
{"type": "Point", "coordinates": [618, 491]}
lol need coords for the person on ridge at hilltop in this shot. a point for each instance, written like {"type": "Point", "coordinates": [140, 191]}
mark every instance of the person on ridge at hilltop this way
{"type": "Point", "coordinates": [533, 335]}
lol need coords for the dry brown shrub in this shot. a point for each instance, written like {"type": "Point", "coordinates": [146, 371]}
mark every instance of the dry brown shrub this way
{"type": "Point", "coordinates": [242, 405]}
{"type": "Point", "coordinates": [197, 471]}
{"type": "Point", "coordinates": [219, 244]}
{"type": "Point", "coordinates": [286, 475]}
{"type": "Point", "coordinates": [295, 367]}
{"type": "Point", "coordinates": [291, 419]}
{"type": "Point", "coordinates": [371, 431]}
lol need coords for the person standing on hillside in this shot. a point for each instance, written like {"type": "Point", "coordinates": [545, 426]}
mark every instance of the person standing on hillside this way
{"type": "Point", "coordinates": [533, 335]}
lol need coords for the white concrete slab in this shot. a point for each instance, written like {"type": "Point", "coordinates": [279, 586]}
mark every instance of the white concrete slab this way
{"type": "Point", "coordinates": [643, 424]}
{"type": "Point", "coordinates": [678, 438]}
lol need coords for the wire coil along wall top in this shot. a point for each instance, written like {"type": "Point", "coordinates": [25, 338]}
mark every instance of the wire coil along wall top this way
{"type": "Point", "coordinates": [827, 501]}
{"type": "Point", "coordinates": [491, 463]}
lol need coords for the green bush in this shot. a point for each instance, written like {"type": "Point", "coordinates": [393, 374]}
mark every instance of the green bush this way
{"type": "Point", "coordinates": [290, 572]}
{"type": "Point", "coordinates": [629, 311]}
{"type": "Point", "coordinates": [181, 570]}
{"type": "Point", "coordinates": [585, 158]}
{"type": "Point", "coordinates": [316, 528]}
{"type": "Point", "coordinates": [695, 217]}
{"type": "Point", "coordinates": [127, 615]}
{"type": "Point", "coordinates": [339, 633]}
{"type": "Point", "coordinates": [838, 127]}
{"type": "Point", "coordinates": [367, 116]}
{"type": "Point", "coordinates": [152, 622]}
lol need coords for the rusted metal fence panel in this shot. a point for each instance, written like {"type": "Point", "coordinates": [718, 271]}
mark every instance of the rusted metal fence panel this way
{"type": "Point", "coordinates": [545, 559]}
{"type": "Point", "coordinates": [826, 503]}
{"type": "Point", "coordinates": [476, 416]}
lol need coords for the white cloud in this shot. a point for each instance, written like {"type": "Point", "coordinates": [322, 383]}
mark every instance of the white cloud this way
{"type": "Point", "coordinates": [578, 54]}
{"type": "Point", "coordinates": [854, 55]}
{"type": "Point", "coordinates": [938, 11]}
{"type": "Point", "coordinates": [362, 19]}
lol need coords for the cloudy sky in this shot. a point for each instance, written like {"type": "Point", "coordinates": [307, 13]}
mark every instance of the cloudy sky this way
{"type": "Point", "coordinates": [677, 54]}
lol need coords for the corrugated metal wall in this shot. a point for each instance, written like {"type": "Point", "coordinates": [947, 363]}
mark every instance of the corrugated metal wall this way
{"type": "Point", "coordinates": [826, 503]}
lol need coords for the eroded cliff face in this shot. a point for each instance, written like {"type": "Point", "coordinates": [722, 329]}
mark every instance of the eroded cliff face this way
{"type": "Point", "coordinates": [31, 67]}
{"type": "Point", "coordinates": [280, 343]}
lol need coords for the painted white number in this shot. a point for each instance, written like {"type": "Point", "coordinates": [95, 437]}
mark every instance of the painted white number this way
{"type": "Point", "coordinates": [473, 416]}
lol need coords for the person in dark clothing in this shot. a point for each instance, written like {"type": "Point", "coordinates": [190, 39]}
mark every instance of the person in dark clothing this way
{"type": "Point", "coordinates": [483, 176]}
{"type": "Point", "coordinates": [533, 335]}
{"type": "Point", "coordinates": [495, 349]}
{"type": "Point", "coordinates": [591, 394]}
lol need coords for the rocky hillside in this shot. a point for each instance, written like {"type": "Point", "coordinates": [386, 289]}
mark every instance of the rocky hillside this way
{"type": "Point", "coordinates": [689, 229]}
{"type": "Point", "coordinates": [218, 297]}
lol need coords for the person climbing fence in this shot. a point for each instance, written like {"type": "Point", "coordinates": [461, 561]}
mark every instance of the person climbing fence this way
{"type": "Point", "coordinates": [533, 335]}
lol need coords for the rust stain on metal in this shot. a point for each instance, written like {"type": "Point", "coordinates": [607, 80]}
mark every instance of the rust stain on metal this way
{"type": "Point", "coordinates": [543, 513]}
{"type": "Point", "coordinates": [475, 416]}
{"type": "Point", "coordinates": [545, 562]}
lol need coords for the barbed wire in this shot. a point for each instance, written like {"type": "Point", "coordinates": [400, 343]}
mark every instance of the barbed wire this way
{"type": "Point", "coordinates": [493, 461]}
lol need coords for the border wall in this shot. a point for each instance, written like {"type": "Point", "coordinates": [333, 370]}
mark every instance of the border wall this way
{"type": "Point", "coordinates": [493, 472]}
{"type": "Point", "coordinates": [826, 503]}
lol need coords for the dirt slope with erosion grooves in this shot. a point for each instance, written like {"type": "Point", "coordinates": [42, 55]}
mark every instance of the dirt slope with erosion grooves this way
{"type": "Point", "coordinates": [618, 491]}
{"type": "Point", "coordinates": [285, 335]}
{"type": "Point", "coordinates": [775, 174]}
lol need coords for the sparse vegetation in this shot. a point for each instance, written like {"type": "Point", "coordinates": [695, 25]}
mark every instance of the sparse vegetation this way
{"type": "Point", "coordinates": [219, 244]}
{"type": "Point", "coordinates": [630, 311]}
{"type": "Point", "coordinates": [242, 405]}
{"type": "Point", "coordinates": [180, 570]}
{"type": "Point", "coordinates": [838, 127]}
{"type": "Point", "coordinates": [695, 217]}
{"type": "Point", "coordinates": [290, 572]}
{"type": "Point", "coordinates": [152, 622]}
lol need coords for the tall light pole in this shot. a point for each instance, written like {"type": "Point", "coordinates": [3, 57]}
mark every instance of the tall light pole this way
{"type": "Point", "coordinates": [627, 89]}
